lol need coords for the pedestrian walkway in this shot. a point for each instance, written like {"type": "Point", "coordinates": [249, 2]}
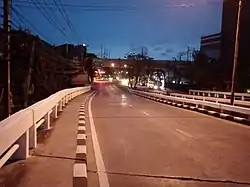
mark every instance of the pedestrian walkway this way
{"type": "Point", "coordinates": [51, 163]}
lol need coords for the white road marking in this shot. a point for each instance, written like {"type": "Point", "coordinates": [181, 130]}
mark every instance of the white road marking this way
{"type": "Point", "coordinates": [182, 132]}
{"type": "Point", "coordinates": [130, 105]}
{"type": "Point", "coordinates": [80, 170]}
{"type": "Point", "coordinates": [102, 175]}
{"type": "Point", "coordinates": [238, 118]}
{"type": "Point", "coordinates": [81, 113]}
{"type": "Point", "coordinates": [224, 115]}
{"type": "Point", "coordinates": [81, 136]}
{"type": "Point", "coordinates": [81, 149]}
{"type": "Point", "coordinates": [81, 117]}
{"type": "Point", "coordinates": [81, 122]}
{"type": "Point", "coordinates": [146, 113]}
{"type": "Point", "coordinates": [82, 128]}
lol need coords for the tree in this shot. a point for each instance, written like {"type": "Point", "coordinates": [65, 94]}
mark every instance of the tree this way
{"type": "Point", "coordinates": [138, 68]}
{"type": "Point", "coordinates": [203, 72]}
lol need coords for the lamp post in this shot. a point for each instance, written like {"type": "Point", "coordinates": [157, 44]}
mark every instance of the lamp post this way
{"type": "Point", "coordinates": [236, 52]}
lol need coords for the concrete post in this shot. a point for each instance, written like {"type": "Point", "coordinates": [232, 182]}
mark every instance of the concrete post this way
{"type": "Point", "coordinates": [55, 111]}
{"type": "Point", "coordinates": [23, 150]}
{"type": "Point", "coordinates": [60, 106]}
{"type": "Point", "coordinates": [46, 124]}
{"type": "Point", "coordinates": [33, 136]}
{"type": "Point", "coordinates": [63, 102]}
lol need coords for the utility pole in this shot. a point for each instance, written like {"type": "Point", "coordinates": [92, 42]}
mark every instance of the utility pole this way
{"type": "Point", "coordinates": [27, 83]}
{"type": "Point", "coordinates": [6, 62]}
{"type": "Point", "coordinates": [101, 51]}
{"type": "Point", "coordinates": [236, 52]}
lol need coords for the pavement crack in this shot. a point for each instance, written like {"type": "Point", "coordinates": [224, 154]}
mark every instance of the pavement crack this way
{"type": "Point", "coordinates": [180, 178]}
{"type": "Point", "coordinates": [58, 157]}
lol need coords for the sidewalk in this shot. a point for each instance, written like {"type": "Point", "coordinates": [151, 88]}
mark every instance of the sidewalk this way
{"type": "Point", "coordinates": [51, 163]}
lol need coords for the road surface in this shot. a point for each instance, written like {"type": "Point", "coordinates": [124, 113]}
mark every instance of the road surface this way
{"type": "Point", "coordinates": [135, 142]}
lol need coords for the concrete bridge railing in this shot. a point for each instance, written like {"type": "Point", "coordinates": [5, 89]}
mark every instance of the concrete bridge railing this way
{"type": "Point", "coordinates": [225, 95]}
{"type": "Point", "coordinates": [18, 133]}
{"type": "Point", "coordinates": [223, 109]}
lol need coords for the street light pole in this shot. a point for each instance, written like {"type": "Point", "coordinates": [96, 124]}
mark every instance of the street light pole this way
{"type": "Point", "coordinates": [6, 65]}
{"type": "Point", "coordinates": [236, 52]}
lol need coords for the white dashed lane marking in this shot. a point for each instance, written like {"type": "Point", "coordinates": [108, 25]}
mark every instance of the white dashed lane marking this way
{"type": "Point", "coordinates": [184, 133]}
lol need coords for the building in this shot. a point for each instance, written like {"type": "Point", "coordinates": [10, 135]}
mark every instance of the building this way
{"type": "Point", "coordinates": [229, 23]}
{"type": "Point", "coordinates": [211, 45]}
{"type": "Point", "coordinates": [73, 52]}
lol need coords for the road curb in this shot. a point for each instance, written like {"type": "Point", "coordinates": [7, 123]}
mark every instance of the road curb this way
{"type": "Point", "coordinates": [80, 165]}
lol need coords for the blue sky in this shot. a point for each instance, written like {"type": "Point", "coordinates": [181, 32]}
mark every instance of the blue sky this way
{"type": "Point", "coordinates": [164, 27]}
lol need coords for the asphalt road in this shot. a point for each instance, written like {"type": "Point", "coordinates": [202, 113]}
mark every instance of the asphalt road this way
{"type": "Point", "coordinates": [143, 143]}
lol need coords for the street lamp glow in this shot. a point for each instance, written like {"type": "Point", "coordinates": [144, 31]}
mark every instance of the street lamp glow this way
{"type": "Point", "coordinates": [125, 65]}
{"type": "Point", "coordinates": [112, 65]}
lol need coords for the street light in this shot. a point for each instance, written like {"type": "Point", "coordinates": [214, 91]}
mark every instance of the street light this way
{"type": "Point", "coordinates": [112, 65]}
{"type": "Point", "coordinates": [236, 52]}
{"type": "Point", "coordinates": [125, 65]}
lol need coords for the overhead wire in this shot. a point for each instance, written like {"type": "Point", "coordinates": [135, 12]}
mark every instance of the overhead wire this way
{"type": "Point", "coordinates": [22, 19]}
{"type": "Point", "coordinates": [68, 20]}
{"type": "Point", "coordinates": [62, 11]}
{"type": "Point", "coordinates": [120, 7]}
{"type": "Point", "coordinates": [50, 12]}
{"type": "Point", "coordinates": [45, 14]}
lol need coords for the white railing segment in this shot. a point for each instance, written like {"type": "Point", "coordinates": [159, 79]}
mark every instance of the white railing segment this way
{"type": "Point", "coordinates": [18, 133]}
{"type": "Point", "coordinates": [198, 103]}
{"type": "Point", "coordinates": [239, 96]}
{"type": "Point", "coordinates": [212, 99]}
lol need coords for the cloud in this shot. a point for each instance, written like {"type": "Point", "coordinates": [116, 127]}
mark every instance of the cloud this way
{"type": "Point", "coordinates": [164, 54]}
{"type": "Point", "coordinates": [169, 50]}
{"type": "Point", "coordinates": [158, 48]}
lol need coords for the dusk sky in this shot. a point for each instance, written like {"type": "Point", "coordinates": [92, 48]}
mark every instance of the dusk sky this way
{"type": "Point", "coordinates": [164, 27]}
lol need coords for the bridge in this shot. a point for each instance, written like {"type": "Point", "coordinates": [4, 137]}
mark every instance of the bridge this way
{"type": "Point", "coordinates": [110, 136]}
{"type": "Point", "coordinates": [153, 63]}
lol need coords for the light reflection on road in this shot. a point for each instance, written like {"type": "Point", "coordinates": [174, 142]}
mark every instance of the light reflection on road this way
{"type": "Point", "coordinates": [124, 100]}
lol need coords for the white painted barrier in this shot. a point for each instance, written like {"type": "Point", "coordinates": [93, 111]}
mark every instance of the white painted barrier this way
{"type": "Point", "coordinates": [197, 103]}
{"type": "Point", "coordinates": [212, 99]}
{"type": "Point", "coordinates": [18, 133]}
{"type": "Point", "coordinates": [239, 96]}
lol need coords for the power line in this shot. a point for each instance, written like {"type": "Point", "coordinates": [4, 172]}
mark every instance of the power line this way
{"type": "Point", "coordinates": [25, 21]}
{"type": "Point", "coordinates": [65, 16]}
{"type": "Point", "coordinates": [69, 21]}
{"type": "Point", "coordinates": [52, 13]}
{"type": "Point", "coordinates": [47, 17]}
{"type": "Point", "coordinates": [24, 3]}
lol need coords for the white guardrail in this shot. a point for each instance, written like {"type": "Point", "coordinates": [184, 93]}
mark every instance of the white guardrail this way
{"type": "Point", "coordinates": [223, 109]}
{"type": "Point", "coordinates": [239, 96]}
{"type": "Point", "coordinates": [18, 133]}
{"type": "Point", "coordinates": [212, 99]}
